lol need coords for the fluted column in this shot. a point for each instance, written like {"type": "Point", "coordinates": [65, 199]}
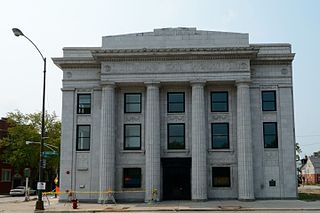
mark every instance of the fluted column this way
{"type": "Point", "coordinates": [107, 141]}
{"type": "Point", "coordinates": [152, 143]}
{"type": "Point", "coordinates": [244, 142]}
{"type": "Point", "coordinates": [199, 150]}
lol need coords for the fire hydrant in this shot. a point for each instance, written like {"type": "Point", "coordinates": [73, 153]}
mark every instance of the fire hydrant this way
{"type": "Point", "coordinates": [74, 203]}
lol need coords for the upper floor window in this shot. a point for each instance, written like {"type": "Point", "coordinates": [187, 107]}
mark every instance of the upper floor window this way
{"type": "Point", "coordinates": [221, 177]}
{"type": "Point", "coordinates": [132, 102]}
{"type": "Point", "coordinates": [131, 177]}
{"type": "Point", "coordinates": [132, 136]}
{"type": "Point", "coordinates": [269, 101]}
{"type": "Point", "coordinates": [84, 104]}
{"type": "Point", "coordinates": [270, 135]}
{"type": "Point", "coordinates": [175, 102]}
{"type": "Point", "coordinates": [220, 135]}
{"type": "Point", "coordinates": [83, 137]}
{"type": "Point", "coordinates": [176, 136]}
{"type": "Point", "coordinates": [219, 101]}
{"type": "Point", "coordinates": [6, 175]}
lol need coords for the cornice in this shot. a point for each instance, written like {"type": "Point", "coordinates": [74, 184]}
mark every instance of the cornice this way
{"type": "Point", "coordinates": [174, 54]}
{"type": "Point", "coordinates": [76, 63]}
{"type": "Point", "coordinates": [268, 59]}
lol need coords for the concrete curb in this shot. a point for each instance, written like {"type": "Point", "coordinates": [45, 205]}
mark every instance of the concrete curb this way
{"type": "Point", "coordinates": [181, 209]}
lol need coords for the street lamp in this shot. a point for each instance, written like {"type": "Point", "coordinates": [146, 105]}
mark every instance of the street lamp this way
{"type": "Point", "coordinates": [39, 203]}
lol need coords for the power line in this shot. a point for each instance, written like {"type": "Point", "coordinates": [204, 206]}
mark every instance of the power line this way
{"type": "Point", "coordinates": [302, 136]}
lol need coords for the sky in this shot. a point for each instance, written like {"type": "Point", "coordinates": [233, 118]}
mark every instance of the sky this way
{"type": "Point", "coordinates": [54, 24]}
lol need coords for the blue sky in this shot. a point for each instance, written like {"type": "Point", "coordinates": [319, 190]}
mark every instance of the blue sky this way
{"type": "Point", "coordinates": [54, 24]}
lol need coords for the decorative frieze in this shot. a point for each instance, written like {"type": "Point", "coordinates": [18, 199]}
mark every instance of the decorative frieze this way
{"type": "Point", "coordinates": [82, 161]}
{"type": "Point", "coordinates": [175, 118]}
{"type": "Point", "coordinates": [132, 118]}
{"type": "Point", "coordinates": [177, 66]}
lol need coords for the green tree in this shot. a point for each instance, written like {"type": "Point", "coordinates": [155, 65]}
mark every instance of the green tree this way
{"type": "Point", "coordinates": [27, 127]}
{"type": "Point", "coordinates": [298, 151]}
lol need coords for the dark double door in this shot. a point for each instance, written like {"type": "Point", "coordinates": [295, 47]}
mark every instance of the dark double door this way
{"type": "Point", "coordinates": [176, 178]}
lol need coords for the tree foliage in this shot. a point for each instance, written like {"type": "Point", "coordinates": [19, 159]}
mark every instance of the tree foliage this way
{"type": "Point", "coordinates": [27, 127]}
{"type": "Point", "coordinates": [298, 151]}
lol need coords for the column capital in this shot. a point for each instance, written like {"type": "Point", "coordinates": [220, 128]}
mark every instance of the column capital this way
{"type": "Point", "coordinates": [243, 82]}
{"type": "Point", "coordinates": [108, 84]}
{"type": "Point", "coordinates": [152, 83]}
{"type": "Point", "coordinates": [198, 82]}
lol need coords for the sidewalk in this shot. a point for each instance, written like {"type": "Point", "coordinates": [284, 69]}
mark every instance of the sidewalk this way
{"type": "Point", "coordinates": [266, 205]}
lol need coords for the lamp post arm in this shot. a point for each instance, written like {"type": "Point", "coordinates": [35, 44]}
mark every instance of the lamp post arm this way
{"type": "Point", "coordinates": [51, 147]}
{"type": "Point", "coordinates": [43, 58]}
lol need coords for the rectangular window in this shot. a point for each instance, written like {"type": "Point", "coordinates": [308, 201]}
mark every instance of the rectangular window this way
{"type": "Point", "coordinates": [131, 177]}
{"type": "Point", "coordinates": [219, 101]}
{"type": "Point", "coordinates": [221, 177]}
{"type": "Point", "coordinates": [269, 101]}
{"type": "Point", "coordinates": [220, 135]}
{"type": "Point", "coordinates": [6, 175]}
{"type": "Point", "coordinates": [176, 136]}
{"type": "Point", "coordinates": [84, 104]}
{"type": "Point", "coordinates": [175, 102]}
{"type": "Point", "coordinates": [132, 102]}
{"type": "Point", "coordinates": [270, 135]}
{"type": "Point", "coordinates": [132, 136]}
{"type": "Point", "coordinates": [83, 137]}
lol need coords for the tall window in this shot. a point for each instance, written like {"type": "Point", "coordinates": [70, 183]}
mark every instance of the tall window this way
{"type": "Point", "coordinates": [6, 175]}
{"type": "Point", "coordinates": [131, 177]}
{"type": "Point", "coordinates": [84, 104]}
{"type": "Point", "coordinates": [175, 102]}
{"type": "Point", "coordinates": [219, 101]}
{"type": "Point", "coordinates": [221, 177]}
{"type": "Point", "coordinates": [132, 136]}
{"type": "Point", "coordinates": [269, 101]}
{"type": "Point", "coordinates": [132, 102]}
{"type": "Point", "coordinates": [176, 136]}
{"type": "Point", "coordinates": [270, 135]}
{"type": "Point", "coordinates": [220, 135]}
{"type": "Point", "coordinates": [83, 137]}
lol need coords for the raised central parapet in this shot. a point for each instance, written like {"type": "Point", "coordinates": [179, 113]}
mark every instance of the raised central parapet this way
{"type": "Point", "coordinates": [176, 38]}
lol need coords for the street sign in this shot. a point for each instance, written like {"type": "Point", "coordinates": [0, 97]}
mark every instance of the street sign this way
{"type": "Point", "coordinates": [49, 154]}
{"type": "Point", "coordinates": [26, 172]}
{"type": "Point", "coordinates": [41, 186]}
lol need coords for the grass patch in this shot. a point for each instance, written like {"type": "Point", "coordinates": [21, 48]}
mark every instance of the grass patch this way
{"type": "Point", "coordinates": [309, 196]}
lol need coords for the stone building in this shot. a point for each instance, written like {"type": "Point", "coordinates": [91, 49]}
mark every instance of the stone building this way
{"type": "Point", "coordinates": [178, 113]}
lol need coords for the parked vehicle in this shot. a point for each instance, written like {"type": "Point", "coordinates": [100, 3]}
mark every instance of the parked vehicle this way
{"type": "Point", "coordinates": [21, 190]}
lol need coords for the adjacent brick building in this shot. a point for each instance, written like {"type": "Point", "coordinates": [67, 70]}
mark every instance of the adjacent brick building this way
{"type": "Point", "coordinates": [5, 168]}
{"type": "Point", "coordinates": [311, 170]}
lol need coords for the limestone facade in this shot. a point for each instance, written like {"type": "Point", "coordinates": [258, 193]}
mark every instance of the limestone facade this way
{"type": "Point", "coordinates": [119, 133]}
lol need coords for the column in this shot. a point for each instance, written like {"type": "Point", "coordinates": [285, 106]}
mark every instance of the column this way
{"type": "Point", "coordinates": [152, 143]}
{"type": "Point", "coordinates": [244, 142]}
{"type": "Point", "coordinates": [107, 141]}
{"type": "Point", "coordinates": [199, 148]}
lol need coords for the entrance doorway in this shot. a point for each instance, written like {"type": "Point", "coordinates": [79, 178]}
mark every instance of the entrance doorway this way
{"type": "Point", "coordinates": [176, 178]}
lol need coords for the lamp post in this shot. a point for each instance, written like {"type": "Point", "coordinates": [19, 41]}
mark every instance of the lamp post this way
{"type": "Point", "coordinates": [39, 203]}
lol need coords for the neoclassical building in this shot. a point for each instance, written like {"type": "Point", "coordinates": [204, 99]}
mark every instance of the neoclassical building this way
{"type": "Point", "coordinates": [178, 114]}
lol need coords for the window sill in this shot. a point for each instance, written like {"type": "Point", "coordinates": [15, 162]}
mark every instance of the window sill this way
{"type": "Point", "coordinates": [220, 150]}
{"type": "Point", "coordinates": [177, 151]}
{"type": "Point", "coordinates": [221, 187]}
{"type": "Point", "coordinates": [132, 151]}
{"type": "Point", "coordinates": [132, 189]}
{"type": "Point", "coordinates": [83, 151]}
